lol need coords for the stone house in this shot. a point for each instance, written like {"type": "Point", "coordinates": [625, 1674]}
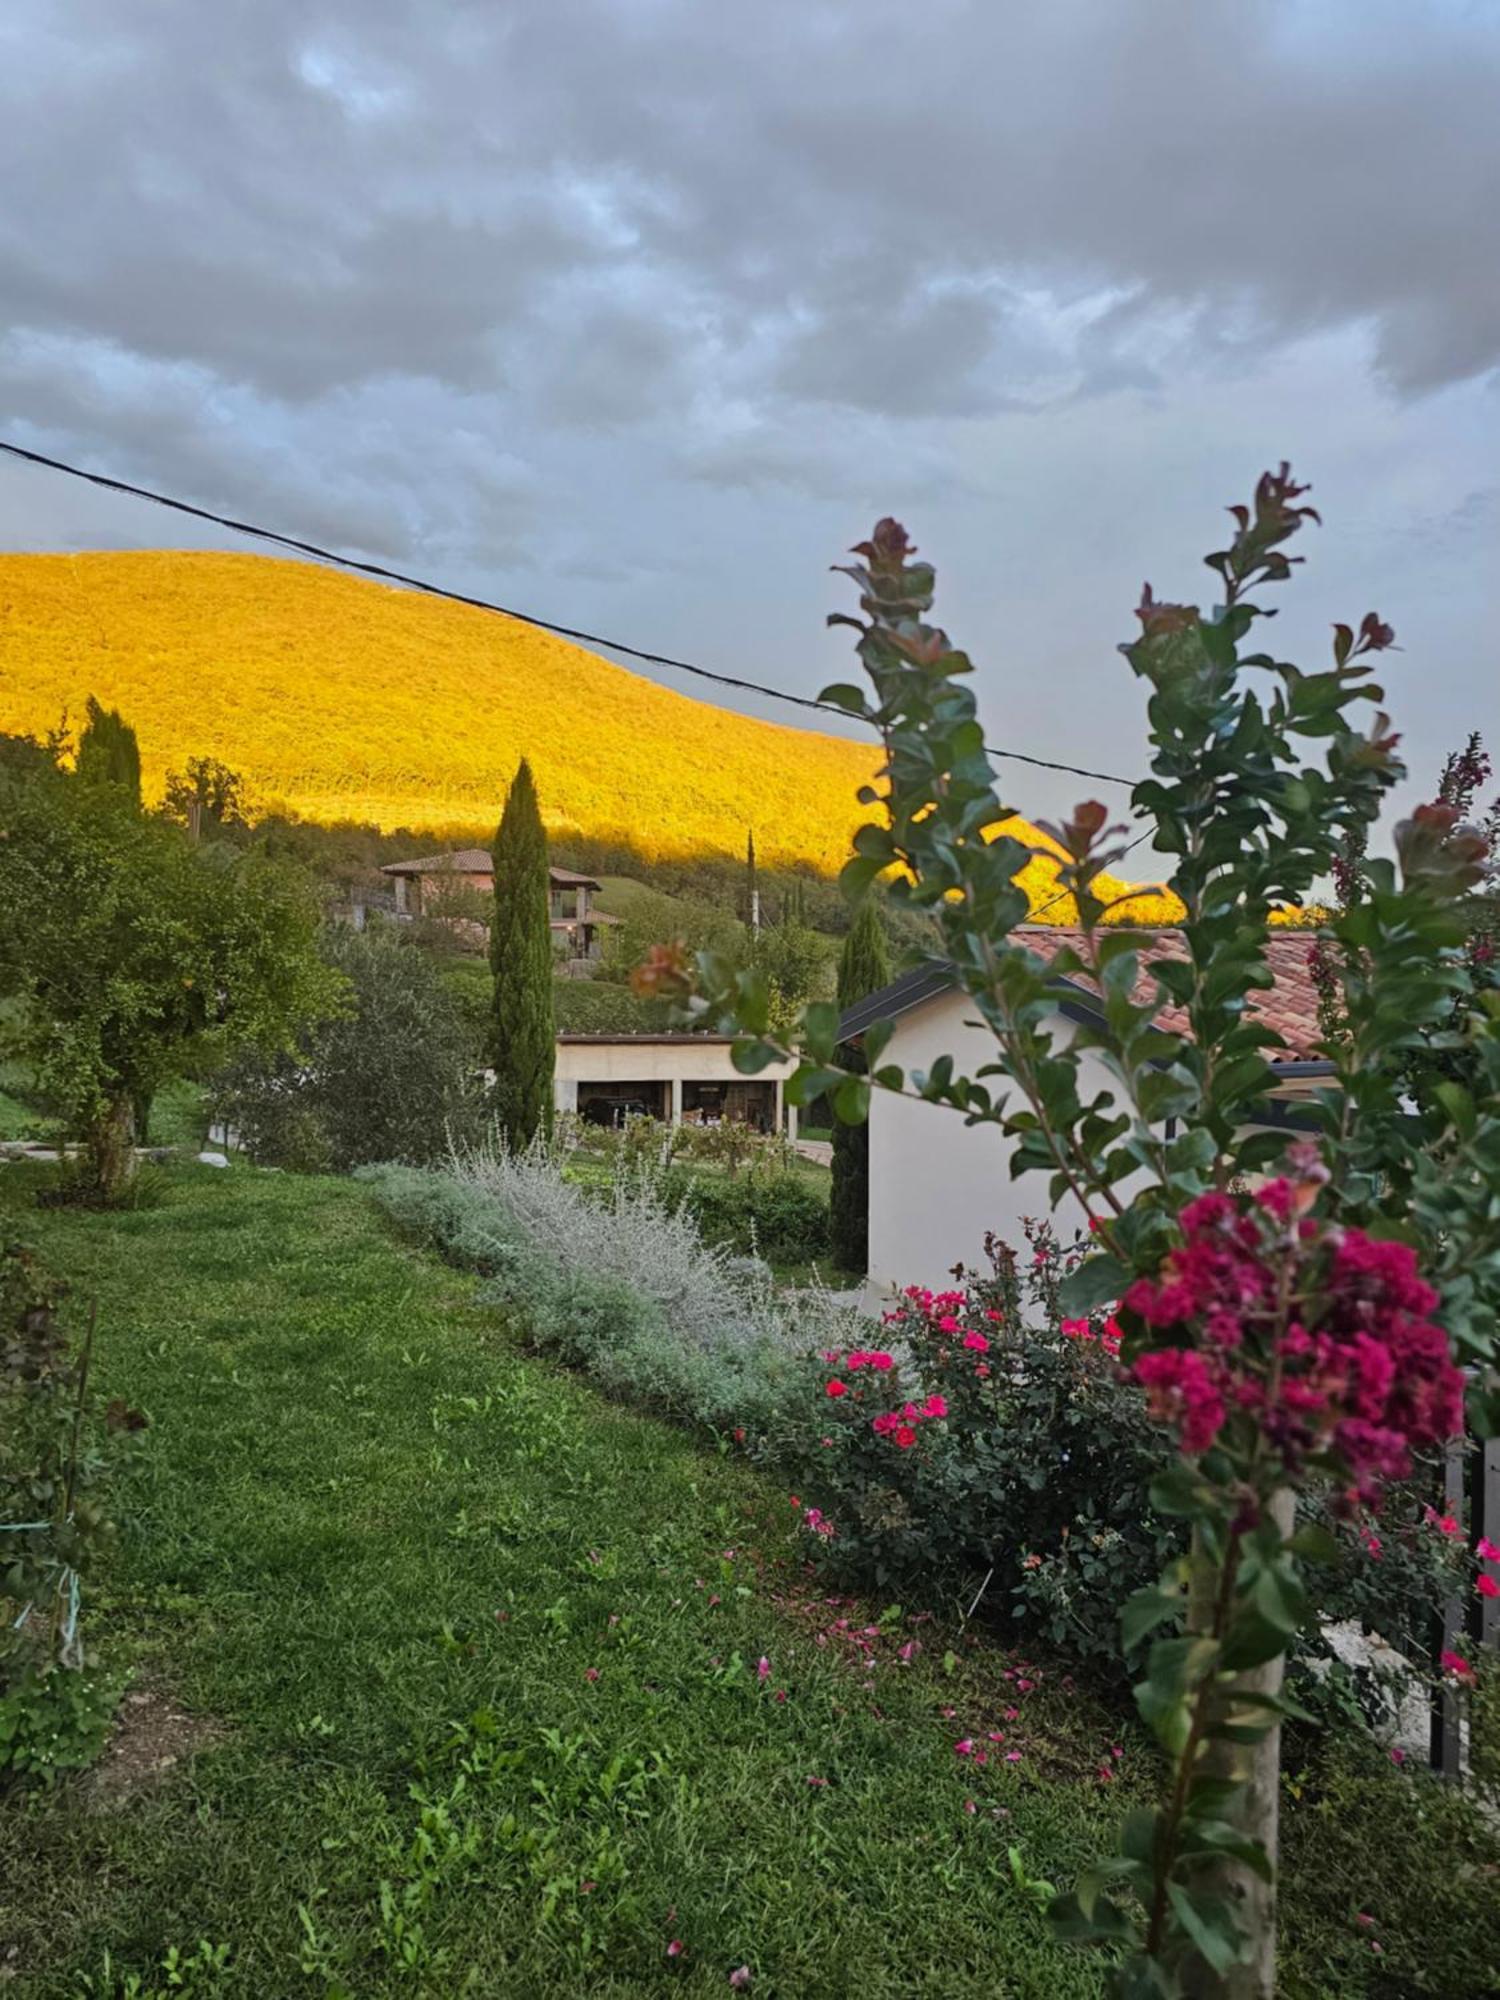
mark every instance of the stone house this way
{"type": "Point", "coordinates": [421, 888]}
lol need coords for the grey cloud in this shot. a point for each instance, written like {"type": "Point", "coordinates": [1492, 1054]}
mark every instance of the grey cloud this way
{"type": "Point", "coordinates": [522, 287]}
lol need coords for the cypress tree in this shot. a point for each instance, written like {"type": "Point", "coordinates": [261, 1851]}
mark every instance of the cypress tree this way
{"type": "Point", "coordinates": [522, 1032]}
{"type": "Point", "coordinates": [864, 967]}
{"type": "Point", "coordinates": [108, 752]}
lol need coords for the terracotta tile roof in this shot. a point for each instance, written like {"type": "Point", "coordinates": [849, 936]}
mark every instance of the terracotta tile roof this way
{"type": "Point", "coordinates": [1290, 1006]}
{"type": "Point", "coordinates": [465, 861]}
{"type": "Point", "coordinates": [478, 861]}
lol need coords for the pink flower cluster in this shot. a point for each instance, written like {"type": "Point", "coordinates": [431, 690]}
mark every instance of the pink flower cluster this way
{"type": "Point", "coordinates": [1323, 1337]}
{"type": "Point", "coordinates": [901, 1424]}
{"type": "Point", "coordinates": [1109, 1336]}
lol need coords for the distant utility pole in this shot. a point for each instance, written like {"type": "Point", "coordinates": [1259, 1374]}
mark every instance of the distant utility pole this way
{"type": "Point", "coordinates": [752, 885]}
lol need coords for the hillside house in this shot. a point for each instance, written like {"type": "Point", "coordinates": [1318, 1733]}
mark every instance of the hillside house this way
{"type": "Point", "coordinates": [937, 1186]}
{"type": "Point", "coordinates": [577, 927]}
{"type": "Point", "coordinates": [677, 1078]}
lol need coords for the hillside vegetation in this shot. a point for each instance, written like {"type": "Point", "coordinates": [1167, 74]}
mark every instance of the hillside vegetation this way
{"type": "Point", "coordinates": [340, 699]}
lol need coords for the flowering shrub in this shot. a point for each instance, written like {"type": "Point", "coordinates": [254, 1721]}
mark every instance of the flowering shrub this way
{"type": "Point", "coordinates": [1262, 773]}
{"type": "Point", "coordinates": [981, 1434]}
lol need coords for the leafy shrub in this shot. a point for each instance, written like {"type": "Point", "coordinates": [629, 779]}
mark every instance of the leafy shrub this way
{"type": "Point", "coordinates": [392, 1077]}
{"type": "Point", "coordinates": [54, 1720]}
{"type": "Point", "coordinates": [968, 1441]}
{"type": "Point", "coordinates": [768, 1213]}
{"type": "Point", "coordinates": [601, 1007]}
{"type": "Point", "coordinates": [54, 1462]}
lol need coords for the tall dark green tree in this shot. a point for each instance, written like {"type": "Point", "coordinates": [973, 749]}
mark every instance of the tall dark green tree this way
{"type": "Point", "coordinates": [108, 752]}
{"type": "Point", "coordinates": [864, 967]}
{"type": "Point", "coordinates": [522, 1031]}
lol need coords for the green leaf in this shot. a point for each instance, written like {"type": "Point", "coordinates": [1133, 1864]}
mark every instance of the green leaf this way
{"type": "Point", "coordinates": [749, 1058]}
{"type": "Point", "coordinates": [1251, 1641]}
{"type": "Point", "coordinates": [1217, 1836]}
{"type": "Point", "coordinates": [1314, 1543]}
{"type": "Point", "coordinates": [1280, 1596]}
{"type": "Point", "coordinates": [851, 1101]}
{"type": "Point", "coordinates": [1459, 1106]}
{"type": "Point", "coordinates": [1209, 1922]}
{"type": "Point", "coordinates": [1098, 1280]}
{"type": "Point", "coordinates": [1146, 1609]}
{"type": "Point", "coordinates": [820, 1029]}
{"type": "Point", "coordinates": [845, 695]}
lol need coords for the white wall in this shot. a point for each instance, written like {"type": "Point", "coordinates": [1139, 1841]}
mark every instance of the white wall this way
{"type": "Point", "coordinates": [693, 1059]}
{"type": "Point", "coordinates": [937, 1185]}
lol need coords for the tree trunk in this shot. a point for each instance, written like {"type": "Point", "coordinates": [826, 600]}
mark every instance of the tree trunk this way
{"type": "Point", "coordinates": [1255, 1812]}
{"type": "Point", "coordinates": [109, 1158]}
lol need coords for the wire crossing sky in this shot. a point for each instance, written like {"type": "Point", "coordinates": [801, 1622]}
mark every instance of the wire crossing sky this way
{"type": "Point", "coordinates": [644, 312]}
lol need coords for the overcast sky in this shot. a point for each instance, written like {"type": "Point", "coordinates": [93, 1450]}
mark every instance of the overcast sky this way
{"type": "Point", "coordinates": [634, 313]}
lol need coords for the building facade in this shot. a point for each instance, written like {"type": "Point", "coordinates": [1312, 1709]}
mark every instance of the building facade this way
{"type": "Point", "coordinates": [677, 1078]}
{"type": "Point", "coordinates": [424, 887]}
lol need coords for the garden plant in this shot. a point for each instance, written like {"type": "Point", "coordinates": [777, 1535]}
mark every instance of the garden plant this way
{"type": "Point", "coordinates": [1304, 1335]}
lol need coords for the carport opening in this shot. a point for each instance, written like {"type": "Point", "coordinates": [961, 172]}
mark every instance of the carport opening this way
{"type": "Point", "coordinates": [752, 1104]}
{"type": "Point", "coordinates": [612, 1103]}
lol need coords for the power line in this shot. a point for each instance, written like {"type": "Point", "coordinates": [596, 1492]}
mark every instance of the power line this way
{"type": "Point", "coordinates": [1063, 894]}
{"type": "Point", "coordinates": [385, 575]}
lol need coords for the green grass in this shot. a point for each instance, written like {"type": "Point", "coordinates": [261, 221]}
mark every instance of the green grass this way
{"type": "Point", "coordinates": [352, 1469]}
{"type": "Point", "coordinates": [379, 1549]}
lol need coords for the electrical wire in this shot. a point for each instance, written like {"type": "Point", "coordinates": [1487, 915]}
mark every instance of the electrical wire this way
{"type": "Point", "coordinates": [378, 570]}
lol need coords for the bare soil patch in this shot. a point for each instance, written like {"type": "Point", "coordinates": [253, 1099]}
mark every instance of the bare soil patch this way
{"type": "Point", "coordinates": [152, 1737]}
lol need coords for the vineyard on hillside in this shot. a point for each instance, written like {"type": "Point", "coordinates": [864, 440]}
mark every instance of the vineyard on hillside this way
{"type": "Point", "coordinates": [341, 699]}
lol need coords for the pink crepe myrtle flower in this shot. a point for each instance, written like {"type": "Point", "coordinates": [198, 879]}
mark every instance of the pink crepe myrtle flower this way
{"type": "Point", "coordinates": [1364, 1373]}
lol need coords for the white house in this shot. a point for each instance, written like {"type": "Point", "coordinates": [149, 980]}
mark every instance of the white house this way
{"type": "Point", "coordinates": [938, 1186]}
{"type": "Point", "coordinates": [606, 1078]}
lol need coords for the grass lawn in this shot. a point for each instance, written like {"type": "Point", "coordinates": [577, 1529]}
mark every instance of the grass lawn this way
{"type": "Point", "coordinates": [473, 1654]}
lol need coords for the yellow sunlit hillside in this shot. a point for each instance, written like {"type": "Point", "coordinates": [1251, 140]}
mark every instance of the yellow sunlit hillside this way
{"type": "Point", "coordinates": [337, 698]}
